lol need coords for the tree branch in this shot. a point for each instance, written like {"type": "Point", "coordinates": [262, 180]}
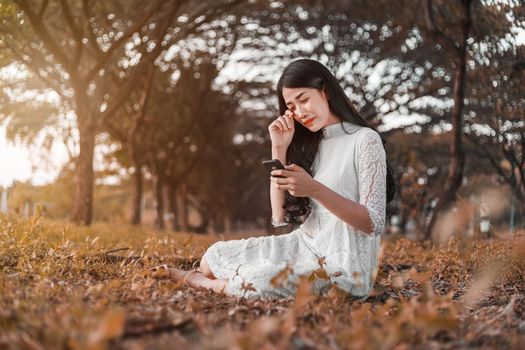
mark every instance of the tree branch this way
{"type": "Point", "coordinates": [192, 26]}
{"type": "Point", "coordinates": [487, 153]}
{"type": "Point", "coordinates": [109, 53]}
{"type": "Point", "coordinates": [43, 8]}
{"type": "Point", "coordinates": [43, 33]}
{"type": "Point", "coordinates": [143, 101]}
{"type": "Point", "coordinates": [131, 84]}
{"type": "Point", "coordinates": [115, 131]}
{"type": "Point", "coordinates": [522, 163]}
{"type": "Point", "coordinates": [33, 67]}
{"type": "Point", "coordinates": [90, 35]}
{"type": "Point", "coordinates": [435, 32]}
{"type": "Point", "coordinates": [77, 32]}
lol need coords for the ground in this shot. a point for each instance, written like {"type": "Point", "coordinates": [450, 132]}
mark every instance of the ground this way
{"type": "Point", "coordinates": [63, 286]}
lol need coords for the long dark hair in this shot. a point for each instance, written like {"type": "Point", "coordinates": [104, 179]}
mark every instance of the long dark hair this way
{"type": "Point", "coordinates": [306, 73]}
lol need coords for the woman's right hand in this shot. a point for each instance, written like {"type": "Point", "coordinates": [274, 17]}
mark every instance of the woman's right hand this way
{"type": "Point", "coordinates": [282, 130]}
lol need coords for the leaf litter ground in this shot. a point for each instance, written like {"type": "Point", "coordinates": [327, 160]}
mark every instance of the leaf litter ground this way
{"type": "Point", "coordinates": [69, 287]}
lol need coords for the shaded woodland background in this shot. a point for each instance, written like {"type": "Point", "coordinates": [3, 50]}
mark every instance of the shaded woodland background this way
{"type": "Point", "coordinates": [163, 106]}
{"type": "Point", "coordinates": [163, 109]}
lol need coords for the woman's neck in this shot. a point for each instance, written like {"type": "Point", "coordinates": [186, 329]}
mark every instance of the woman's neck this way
{"type": "Point", "coordinates": [332, 119]}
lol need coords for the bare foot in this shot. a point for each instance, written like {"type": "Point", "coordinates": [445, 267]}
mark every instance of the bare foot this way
{"type": "Point", "coordinates": [177, 274]}
{"type": "Point", "coordinates": [165, 272]}
{"type": "Point", "coordinates": [194, 278]}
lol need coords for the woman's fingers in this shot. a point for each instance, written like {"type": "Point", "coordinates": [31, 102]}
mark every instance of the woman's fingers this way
{"type": "Point", "coordinates": [278, 180]}
{"type": "Point", "coordinates": [282, 172]}
{"type": "Point", "coordinates": [289, 121]}
{"type": "Point", "coordinates": [282, 123]}
{"type": "Point", "coordinates": [294, 167]}
{"type": "Point", "coordinates": [276, 125]}
{"type": "Point", "coordinates": [282, 120]}
{"type": "Point", "coordinates": [284, 187]}
{"type": "Point", "coordinates": [285, 184]}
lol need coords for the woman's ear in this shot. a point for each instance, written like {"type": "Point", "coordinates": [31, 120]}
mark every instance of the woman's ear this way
{"type": "Point", "coordinates": [324, 92]}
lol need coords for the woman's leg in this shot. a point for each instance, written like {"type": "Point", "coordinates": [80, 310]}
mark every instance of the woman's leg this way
{"type": "Point", "coordinates": [253, 261]}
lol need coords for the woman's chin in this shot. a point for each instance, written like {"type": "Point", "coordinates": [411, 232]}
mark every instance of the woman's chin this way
{"type": "Point", "coordinates": [312, 126]}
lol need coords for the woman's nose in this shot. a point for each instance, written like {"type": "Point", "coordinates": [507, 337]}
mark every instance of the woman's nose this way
{"type": "Point", "coordinates": [300, 113]}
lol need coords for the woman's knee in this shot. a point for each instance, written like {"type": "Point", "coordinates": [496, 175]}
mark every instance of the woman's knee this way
{"type": "Point", "coordinates": [205, 268]}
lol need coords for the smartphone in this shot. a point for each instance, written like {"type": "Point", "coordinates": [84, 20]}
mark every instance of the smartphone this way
{"type": "Point", "coordinates": [273, 164]}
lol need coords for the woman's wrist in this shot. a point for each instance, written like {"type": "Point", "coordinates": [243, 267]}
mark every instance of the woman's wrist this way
{"type": "Point", "coordinates": [279, 148]}
{"type": "Point", "coordinates": [279, 152]}
{"type": "Point", "coordinates": [317, 190]}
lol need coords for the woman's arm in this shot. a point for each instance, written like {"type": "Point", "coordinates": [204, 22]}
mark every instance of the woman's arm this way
{"type": "Point", "coordinates": [352, 213]}
{"type": "Point", "coordinates": [276, 195]}
{"type": "Point", "coordinates": [369, 214]}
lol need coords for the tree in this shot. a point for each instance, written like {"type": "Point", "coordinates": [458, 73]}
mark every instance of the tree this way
{"type": "Point", "coordinates": [496, 123]}
{"type": "Point", "coordinates": [471, 33]}
{"type": "Point", "coordinates": [92, 54]}
{"type": "Point", "coordinates": [458, 45]}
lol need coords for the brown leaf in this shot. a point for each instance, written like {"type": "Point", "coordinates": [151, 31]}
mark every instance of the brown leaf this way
{"type": "Point", "coordinates": [110, 326]}
{"type": "Point", "coordinates": [281, 278]}
{"type": "Point", "coordinates": [303, 295]}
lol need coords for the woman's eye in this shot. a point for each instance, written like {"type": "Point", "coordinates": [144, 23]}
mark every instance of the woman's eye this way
{"type": "Point", "coordinates": [304, 101]}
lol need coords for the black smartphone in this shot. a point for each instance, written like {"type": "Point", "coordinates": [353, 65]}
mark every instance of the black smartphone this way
{"type": "Point", "coordinates": [273, 164]}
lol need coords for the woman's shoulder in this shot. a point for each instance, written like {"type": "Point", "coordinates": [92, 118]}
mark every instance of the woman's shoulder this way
{"type": "Point", "coordinates": [369, 142]}
{"type": "Point", "coordinates": [363, 138]}
{"type": "Point", "coordinates": [359, 132]}
{"type": "Point", "coordinates": [367, 134]}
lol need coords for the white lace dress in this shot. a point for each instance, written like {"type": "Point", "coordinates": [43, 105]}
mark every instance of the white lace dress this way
{"type": "Point", "coordinates": [351, 163]}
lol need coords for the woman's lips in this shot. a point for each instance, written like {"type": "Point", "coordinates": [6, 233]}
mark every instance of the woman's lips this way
{"type": "Point", "coordinates": [308, 122]}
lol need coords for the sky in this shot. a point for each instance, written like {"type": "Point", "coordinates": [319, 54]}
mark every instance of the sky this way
{"type": "Point", "coordinates": [14, 162]}
{"type": "Point", "coordinates": [22, 163]}
{"type": "Point", "coordinates": [19, 162]}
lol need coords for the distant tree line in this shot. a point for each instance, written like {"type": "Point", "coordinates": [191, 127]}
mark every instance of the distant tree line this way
{"type": "Point", "coordinates": [161, 84]}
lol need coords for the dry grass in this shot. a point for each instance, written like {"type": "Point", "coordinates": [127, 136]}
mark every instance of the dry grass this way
{"type": "Point", "coordinates": [88, 288]}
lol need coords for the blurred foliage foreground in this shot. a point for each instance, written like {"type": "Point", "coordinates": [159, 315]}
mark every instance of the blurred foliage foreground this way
{"type": "Point", "coordinates": [89, 288]}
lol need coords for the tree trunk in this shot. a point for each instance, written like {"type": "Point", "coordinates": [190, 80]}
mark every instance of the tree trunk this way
{"type": "Point", "coordinates": [227, 220]}
{"type": "Point", "coordinates": [173, 207]}
{"type": "Point", "coordinates": [403, 220]}
{"type": "Point", "coordinates": [520, 219]}
{"type": "Point", "coordinates": [217, 219]}
{"type": "Point", "coordinates": [182, 197]}
{"type": "Point", "coordinates": [83, 202]}
{"type": "Point", "coordinates": [159, 201]}
{"type": "Point", "coordinates": [136, 218]}
{"type": "Point", "coordinates": [454, 178]}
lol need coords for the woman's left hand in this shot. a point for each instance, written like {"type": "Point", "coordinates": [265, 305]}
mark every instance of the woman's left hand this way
{"type": "Point", "coordinates": [296, 181]}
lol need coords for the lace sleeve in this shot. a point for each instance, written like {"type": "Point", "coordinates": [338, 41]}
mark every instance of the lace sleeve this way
{"type": "Point", "coordinates": [276, 224]}
{"type": "Point", "coordinates": [371, 175]}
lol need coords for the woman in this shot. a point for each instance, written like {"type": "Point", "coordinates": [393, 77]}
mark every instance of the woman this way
{"type": "Point", "coordinates": [335, 188]}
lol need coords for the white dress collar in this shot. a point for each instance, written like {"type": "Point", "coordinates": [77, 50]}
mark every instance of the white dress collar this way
{"type": "Point", "coordinates": [339, 129]}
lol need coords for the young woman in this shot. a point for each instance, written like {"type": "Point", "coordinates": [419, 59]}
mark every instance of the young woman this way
{"type": "Point", "coordinates": [335, 187]}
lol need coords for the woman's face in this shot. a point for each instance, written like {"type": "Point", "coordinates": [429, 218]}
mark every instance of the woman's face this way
{"type": "Point", "coordinates": [310, 107]}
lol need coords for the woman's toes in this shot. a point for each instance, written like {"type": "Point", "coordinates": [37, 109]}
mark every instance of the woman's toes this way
{"type": "Point", "coordinates": [176, 274]}
{"type": "Point", "coordinates": [159, 272]}
{"type": "Point", "coordinates": [165, 272]}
